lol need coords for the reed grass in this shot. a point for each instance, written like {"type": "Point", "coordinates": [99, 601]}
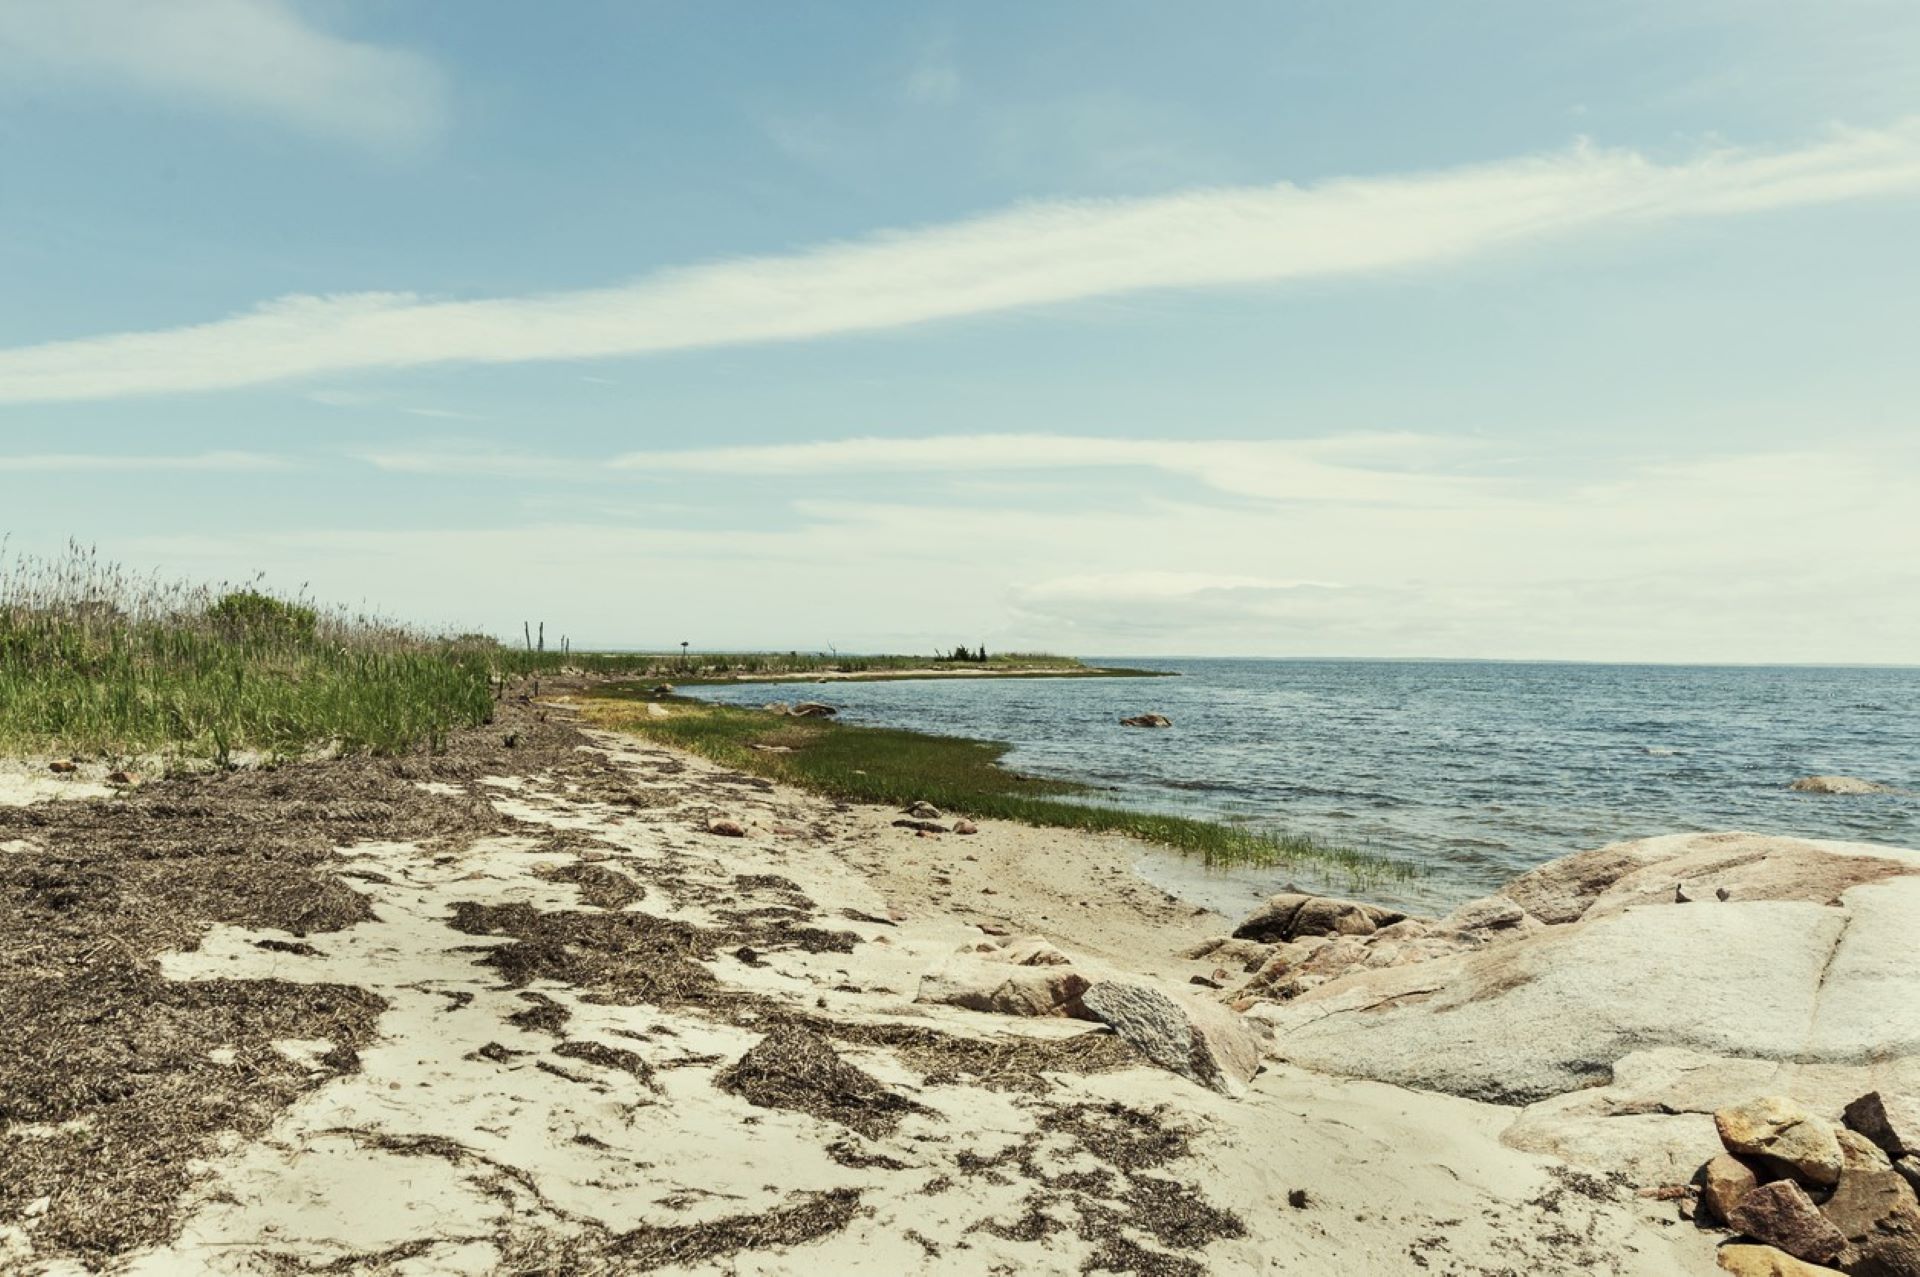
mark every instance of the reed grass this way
{"type": "Point", "coordinates": [958, 775]}
{"type": "Point", "coordinates": [96, 661]}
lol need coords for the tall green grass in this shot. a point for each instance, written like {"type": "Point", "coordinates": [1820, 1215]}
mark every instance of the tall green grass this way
{"type": "Point", "coordinates": [958, 775]}
{"type": "Point", "coordinates": [96, 661]}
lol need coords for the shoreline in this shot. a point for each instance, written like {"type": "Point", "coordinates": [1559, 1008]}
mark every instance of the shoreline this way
{"type": "Point", "coordinates": [610, 1141]}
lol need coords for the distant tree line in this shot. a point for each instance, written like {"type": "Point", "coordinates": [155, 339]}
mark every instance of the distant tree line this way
{"type": "Point", "coordinates": [969, 654]}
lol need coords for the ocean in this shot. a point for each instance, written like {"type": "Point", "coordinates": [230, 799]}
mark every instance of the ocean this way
{"type": "Point", "coordinates": [1473, 771]}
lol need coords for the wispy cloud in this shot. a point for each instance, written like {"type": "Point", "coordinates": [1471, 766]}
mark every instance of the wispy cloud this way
{"type": "Point", "coordinates": [260, 57]}
{"type": "Point", "coordinates": [1354, 468]}
{"type": "Point", "coordinates": [1028, 256]}
{"type": "Point", "coordinates": [77, 462]}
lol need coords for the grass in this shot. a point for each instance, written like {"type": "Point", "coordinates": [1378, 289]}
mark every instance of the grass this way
{"type": "Point", "coordinates": [958, 775]}
{"type": "Point", "coordinates": [97, 662]}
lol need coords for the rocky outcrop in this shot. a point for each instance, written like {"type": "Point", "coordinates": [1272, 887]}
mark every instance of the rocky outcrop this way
{"type": "Point", "coordinates": [1185, 1034]}
{"type": "Point", "coordinates": [1839, 785]}
{"type": "Point", "coordinates": [1747, 1260]}
{"type": "Point", "coordinates": [1294, 915]}
{"type": "Point", "coordinates": [1147, 720]}
{"type": "Point", "coordinates": [1781, 1132]}
{"type": "Point", "coordinates": [1005, 989]}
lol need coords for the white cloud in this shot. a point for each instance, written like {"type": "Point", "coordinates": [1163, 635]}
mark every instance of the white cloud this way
{"type": "Point", "coordinates": [74, 462]}
{"type": "Point", "coordinates": [1028, 256]}
{"type": "Point", "coordinates": [254, 57]}
{"type": "Point", "coordinates": [1363, 468]}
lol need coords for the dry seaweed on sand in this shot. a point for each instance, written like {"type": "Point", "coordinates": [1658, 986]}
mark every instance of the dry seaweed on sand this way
{"type": "Point", "coordinates": [794, 1068]}
{"type": "Point", "coordinates": [1122, 1205]}
{"type": "Point", "coordinates": [1000, 1063]}
{"type": "Point", "coordinates": [599, 886]}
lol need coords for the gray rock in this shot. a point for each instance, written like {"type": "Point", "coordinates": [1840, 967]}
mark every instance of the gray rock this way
{"type": "Point", "coordinates": [1292, 916]}
{"type": "Point", "coordinates": [1495, 913]}
{"type": "Point", "coordinates": [1200, 1040]}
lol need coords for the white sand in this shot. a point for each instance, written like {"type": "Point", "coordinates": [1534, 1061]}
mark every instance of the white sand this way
{"type": "Point", "coordinates": [1399, 1182]}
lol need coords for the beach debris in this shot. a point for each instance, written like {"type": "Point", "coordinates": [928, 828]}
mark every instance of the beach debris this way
{"type": "Point", "coordinates": [772, 749]}
{"type": "Point", "coordinates": [123, 777]}
{"type": "Point", "coordinates": [796, 1069]}
{"type": "Point", "coordinates": [1290, 916]}
{"type": "Point", "coordinates": [1781, 1214]}
{"type": "Point", "coordinates": [61, 767]}
{"type": "Point", "coordinates": [726, 828]}
{"type": "Point", "coordinates": [1839, 785]}
{"type": "Point", "coordinates": [1188, 1035]}
{"type": "Point", "coordinates": [813, 709]}
{"type": "Point", "coordinates": [965, 827]}
{"type": "Point", "coordinates": [1147, 720]}
{"type": "Point", "coordinates": [1782, 1132]}
{"type": "Point", "coordinates": [923, 810]}
{"type": "Point", "coordinates": [924, 826]}
{"type": "Point", "coordinates": [1298, 1198]}
{"type": "Point", "coordinates": [977, 984]}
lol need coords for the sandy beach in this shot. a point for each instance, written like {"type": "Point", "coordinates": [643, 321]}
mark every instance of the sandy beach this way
{"type": "Point", "coordinates": [553, 1024]}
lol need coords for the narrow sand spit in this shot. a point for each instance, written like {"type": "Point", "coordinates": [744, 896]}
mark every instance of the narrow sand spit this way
{"type": "Point", "coordinates": [613, 1042]}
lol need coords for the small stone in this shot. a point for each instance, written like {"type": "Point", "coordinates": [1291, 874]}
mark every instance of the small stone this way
{"type": "Point", "coordinates": [1891, 1121]}
{"type": "Point", "coordinates": [1745, 1260]}
{"type": "Point", "coordinates": [61, 767]}
{"type": "Point", "coordinates": [924, 810]}
{"type": "Point", "coordinates": [1781, 1214]}
{"type": "Point", "coordinates": [123, 777]}
{"type": "Point", "coordinates": [1204, 982]}
{"type": "Point", "coordinates": [726, 828]}
{"type": "Point", "coordinates": [965, 827]}
{"type": "Point", "coordinates": [1780, 1131]}
{"type": "Point", "coordinates": [1298, 1199]}
{"type": "Point", "coordinates": [1723, 1182]}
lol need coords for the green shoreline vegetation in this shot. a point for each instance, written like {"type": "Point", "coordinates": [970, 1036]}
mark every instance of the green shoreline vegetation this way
{"type": "Point", "coordinates": [956, 774]}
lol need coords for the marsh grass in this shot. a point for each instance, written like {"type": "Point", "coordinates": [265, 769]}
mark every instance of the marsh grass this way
{"type": "Point", "coordinates": [96, 661]}
{"type": "Point", "coordinates": [955, 774]}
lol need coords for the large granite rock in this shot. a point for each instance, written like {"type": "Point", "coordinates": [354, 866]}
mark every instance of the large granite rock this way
{"type": "Point", "coordinates": [1003, 988]}
{"type": "Point", "coordinates": [1795, 982]}
{"type": "Point", "coordinates": [1200, 1040]}
{"type": "Point", "coordinates": [1890, 1121]}
{"type": "Point", "coordinates": [1782, 1133]}
{"type": "Point", "coordinates": [1874, 1208]}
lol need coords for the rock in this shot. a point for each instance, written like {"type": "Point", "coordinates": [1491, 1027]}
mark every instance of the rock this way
{"type": "Point", "coordinates": [924, 826]}
{"type": "Point", "coordinates": [1205, 982]}
{"type": "Point", "coordinates": [1032, 951]}
{"type": "Point", "coordinates": [726, 828]}
{"type": "Point", "coordinates": [1787, 983]}
{"type": "Point", "coordinates": [781, 708]}
{"type": "Point", "coordinates": [1003, 990]}
{"type": "Point", "coordinates": [813, 709]}
{"type": "Point", "coordinates": [1745, 1260]}
{"type": "Point", "coordinates": [923, 811]}
{"type": "Point", "coordinates": [1292, 915]}
{"type": "Point", "coordinates": [1875, 1209]}
{"type": "Point", "coordinates": [62, 767]}
{"type": "Point", "coordinates": [1724, 1181]}
{"type": "Point", "coordinates": [1147, 720]}
{"type": "Point", "coordinates": [1891, 1121]}
{"type": "Point", "coordinates": [123, 777]}
{"type": "Point", "coordinates": [1780, 1132]}
{"type": "Point", "coordinates": [1248, 955]}
{"type": "Point", "coordinates": [965, 827]}
{"type": "Point", "coordinates": [658, 711]}
{"type": "Point", "coordinates": [1839, 785]}
{"type": "Point", "coordinates": [1909, 1166]}
{"type": "Point", "coordinates": [1495, 913]}
{"type": "Point", "coordinates": [1197, 1039]}
{"type": "Point", "coordinates": [1781, 1214]}
{"type": "Point", "coordinates": [662, 689]}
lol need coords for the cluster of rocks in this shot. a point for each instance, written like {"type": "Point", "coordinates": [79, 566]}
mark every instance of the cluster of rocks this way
{"type": "Point", "coordinates": [1296, 942]}
{"type": "Point", "coordinates": [1844, 785]}
{"type": "Point", "coordinates": [1147, 720]}
{"type": "Point", "coordinates": [1815, 1196]}
{"type": "Point", "coordinates": [1028, 975]}
{"type": "Point", "coordinates": [805, 709]}
{"type": "Point", "coordinates": [924, 819]}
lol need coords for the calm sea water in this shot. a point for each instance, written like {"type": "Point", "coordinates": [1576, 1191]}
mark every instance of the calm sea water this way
{"type": "Point", "coordinates": [1474, 771]}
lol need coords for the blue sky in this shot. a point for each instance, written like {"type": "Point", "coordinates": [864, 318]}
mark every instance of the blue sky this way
{"type": "Point", "coordinates": [1489, 329]}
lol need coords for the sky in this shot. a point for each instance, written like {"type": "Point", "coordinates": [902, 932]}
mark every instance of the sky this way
{"type": "Point", "coordinates": [1494, 329]}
